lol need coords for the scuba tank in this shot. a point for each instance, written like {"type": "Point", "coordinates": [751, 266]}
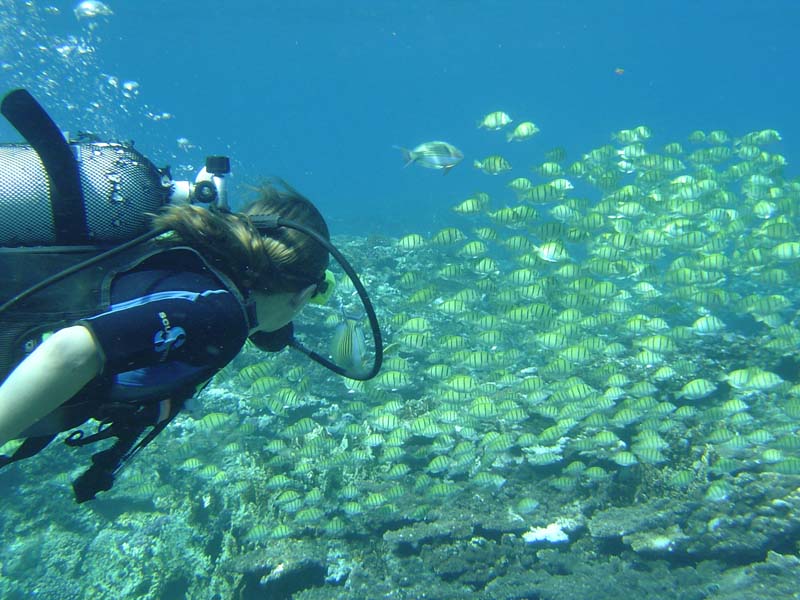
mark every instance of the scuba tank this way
{"type": "Point", "coordinates": [60, 192]}
{"type": "Point", "coordinates": [118, 187]}
{"type": "Point", "coordinates": [68, 202]}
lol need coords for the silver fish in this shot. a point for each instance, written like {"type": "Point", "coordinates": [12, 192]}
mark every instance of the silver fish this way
{"type": "Point", "coordinates": [433, 155]}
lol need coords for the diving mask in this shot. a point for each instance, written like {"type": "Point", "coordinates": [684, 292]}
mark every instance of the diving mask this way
{"type": "Point", "coordinates": [325, 289]}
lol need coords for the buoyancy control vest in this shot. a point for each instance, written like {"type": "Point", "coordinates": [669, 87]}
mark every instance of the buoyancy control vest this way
{"type": "Point", "coordinates": [84, 293]}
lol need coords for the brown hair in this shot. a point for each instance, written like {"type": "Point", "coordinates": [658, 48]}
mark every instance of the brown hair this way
{"type": "Point", "coordinates": [280, 260]}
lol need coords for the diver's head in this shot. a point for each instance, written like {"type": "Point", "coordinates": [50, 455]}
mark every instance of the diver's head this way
{"type": "Point", "coordinates": [295, 271]}
{"type": "Point", "coordinates": [293, 261]}
{"type": "Point", "coordinates": [274, 261]}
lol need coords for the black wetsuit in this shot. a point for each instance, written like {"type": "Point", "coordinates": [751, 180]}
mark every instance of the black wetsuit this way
{"type": "Point", "coordinates": [165, 334]}
{"type": "Point", "coordinates": [165, 331]}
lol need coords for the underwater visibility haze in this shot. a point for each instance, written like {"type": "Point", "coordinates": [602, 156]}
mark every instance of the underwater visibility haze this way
{"type": "Point", "coordinates": [579, 225]}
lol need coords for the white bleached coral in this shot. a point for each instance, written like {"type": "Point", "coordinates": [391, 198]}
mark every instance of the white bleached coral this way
{"type": "Point", "coordinates": [554, 533]}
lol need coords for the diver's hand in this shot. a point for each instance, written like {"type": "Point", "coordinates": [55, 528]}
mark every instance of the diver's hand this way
{"type": "Point", "coordinates": [53, 373]}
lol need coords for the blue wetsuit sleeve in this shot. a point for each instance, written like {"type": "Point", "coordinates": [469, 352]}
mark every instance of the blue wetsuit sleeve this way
{"type": "Point", "coordinates": [201, 329]}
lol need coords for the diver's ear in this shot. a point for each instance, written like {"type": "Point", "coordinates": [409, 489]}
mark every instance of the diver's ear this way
{"type": "Point", "coordinates": [303, 296]}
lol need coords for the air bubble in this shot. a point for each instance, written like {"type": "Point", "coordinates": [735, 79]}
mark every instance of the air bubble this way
{"type": "Point", "coordinates": [130, 89]}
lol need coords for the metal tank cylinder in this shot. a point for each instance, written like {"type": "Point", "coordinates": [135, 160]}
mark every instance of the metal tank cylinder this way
{"type": "Point", "coordinates": [119, 187]}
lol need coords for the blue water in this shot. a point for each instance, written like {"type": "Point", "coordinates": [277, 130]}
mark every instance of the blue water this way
{"type": "Point", "coordinates": [319, 92]}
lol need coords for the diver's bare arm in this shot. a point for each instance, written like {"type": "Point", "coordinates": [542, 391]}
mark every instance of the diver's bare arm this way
{"type": "Point", "coordinates": [51, 375]}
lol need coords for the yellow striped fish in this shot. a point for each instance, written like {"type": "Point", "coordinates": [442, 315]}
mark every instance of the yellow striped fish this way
{"type": "Point", "coordinates": [348, 348]}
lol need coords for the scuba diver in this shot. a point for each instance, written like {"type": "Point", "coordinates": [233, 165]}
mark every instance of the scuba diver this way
{"type": "Point", "coordinates": [130, 291]}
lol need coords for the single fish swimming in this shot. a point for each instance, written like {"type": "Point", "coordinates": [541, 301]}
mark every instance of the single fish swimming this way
{"type": "Point", "coordinates": [433, 155]}
{"type": "Point", "coordinates": [495, 120]}
{"type": "Point", "coordinates": [348, 347]}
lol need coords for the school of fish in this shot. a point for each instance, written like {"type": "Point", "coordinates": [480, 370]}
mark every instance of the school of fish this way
{"type": "Point", "coordinates": [631, 308]}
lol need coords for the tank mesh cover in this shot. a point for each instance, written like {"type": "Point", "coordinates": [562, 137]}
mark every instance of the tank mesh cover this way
{"type": "Point", "coordinates": [119, 187]}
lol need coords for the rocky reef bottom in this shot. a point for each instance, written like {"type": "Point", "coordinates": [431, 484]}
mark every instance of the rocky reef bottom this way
{"type": "Point", "coordinates": [745, 547]}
